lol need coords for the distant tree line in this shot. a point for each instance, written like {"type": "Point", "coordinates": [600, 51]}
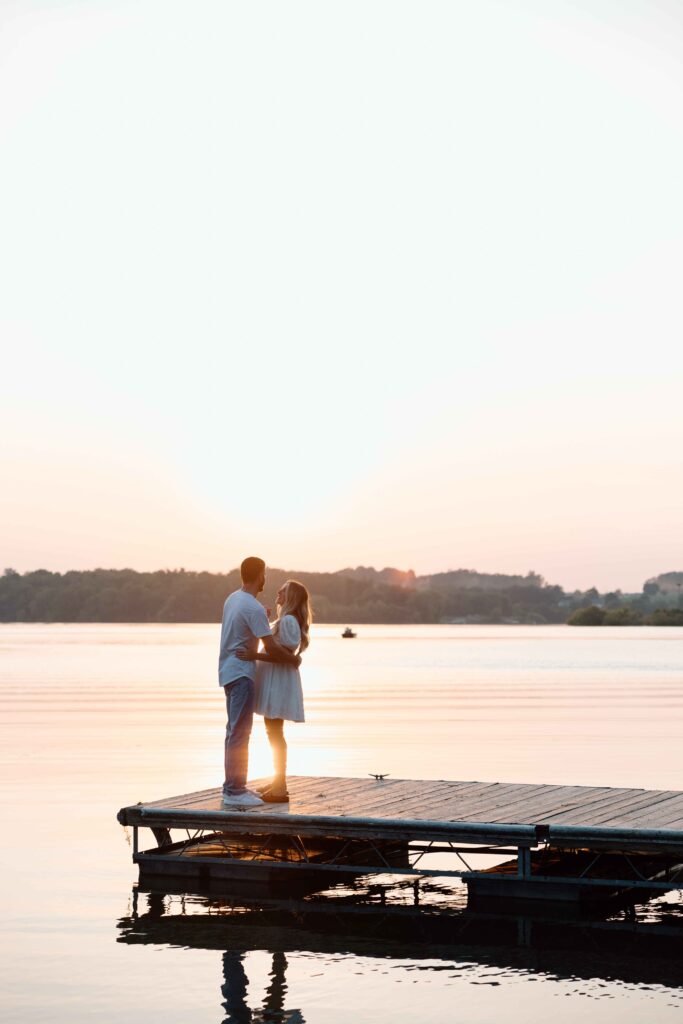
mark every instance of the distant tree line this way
{"type": "Point", "coordinates": [626, 615]}
{"type": "Point", "coordinates": [659, 604]}
{"type": "Point", "coordinates": [348, 596]}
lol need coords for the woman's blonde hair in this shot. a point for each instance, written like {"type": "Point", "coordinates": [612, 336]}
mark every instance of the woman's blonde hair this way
{"type": "Point", "coordinates": [297, 603]}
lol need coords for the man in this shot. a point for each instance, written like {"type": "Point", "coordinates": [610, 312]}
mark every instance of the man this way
{"type": "Point", "coordinates": [244, 623]}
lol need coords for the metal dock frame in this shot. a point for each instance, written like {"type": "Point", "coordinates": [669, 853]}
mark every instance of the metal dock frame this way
{"type": "Point", "coordinates": [419, 839]}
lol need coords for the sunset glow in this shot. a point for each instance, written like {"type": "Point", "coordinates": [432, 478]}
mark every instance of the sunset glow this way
{"type": "Point", "coordinates": [267, 292]}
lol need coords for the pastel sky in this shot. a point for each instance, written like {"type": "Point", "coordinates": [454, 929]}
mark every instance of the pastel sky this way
{"type": "Point", "coordinates": [384, 283]}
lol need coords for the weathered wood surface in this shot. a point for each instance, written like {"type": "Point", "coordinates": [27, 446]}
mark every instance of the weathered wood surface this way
{"type": "Point", "coordinates": [490, 803]}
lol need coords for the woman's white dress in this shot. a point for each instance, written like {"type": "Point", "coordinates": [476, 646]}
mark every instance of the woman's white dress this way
{"type": "Point", "coordinates": [278, 688]}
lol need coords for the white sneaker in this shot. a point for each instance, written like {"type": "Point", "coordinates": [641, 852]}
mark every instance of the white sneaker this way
{"type": "Point", "coordinates": [243, 800]}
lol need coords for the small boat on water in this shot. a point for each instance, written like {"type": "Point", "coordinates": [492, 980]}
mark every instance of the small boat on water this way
{"type": "Point", "coordinates": [348, 633]}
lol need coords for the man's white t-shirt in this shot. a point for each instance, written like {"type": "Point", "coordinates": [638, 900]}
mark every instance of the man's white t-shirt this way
{"type": "Point", "coordinates": [244, 621]}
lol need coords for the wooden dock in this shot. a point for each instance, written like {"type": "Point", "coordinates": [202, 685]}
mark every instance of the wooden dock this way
{"type": "Point", "coordinates": [555, 842]}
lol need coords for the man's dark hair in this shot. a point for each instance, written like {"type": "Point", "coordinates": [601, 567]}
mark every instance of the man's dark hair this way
{"type": "Point", "coordinates": [251, 569]}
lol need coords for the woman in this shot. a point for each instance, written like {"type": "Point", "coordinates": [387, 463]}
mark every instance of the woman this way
{"type": "Point", "coordinates": [278, 693]}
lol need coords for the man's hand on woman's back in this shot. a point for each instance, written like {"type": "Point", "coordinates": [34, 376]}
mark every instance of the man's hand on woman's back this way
{"type": "Point", "coordinates": [273, 652]}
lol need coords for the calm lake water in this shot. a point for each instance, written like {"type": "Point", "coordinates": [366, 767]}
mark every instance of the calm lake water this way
{"type": "Point", "coordinates": [95, 717]}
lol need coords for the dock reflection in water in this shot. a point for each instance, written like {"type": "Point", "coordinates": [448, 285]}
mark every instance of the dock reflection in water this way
{"type": "Point", "coordinates": [636, 947]}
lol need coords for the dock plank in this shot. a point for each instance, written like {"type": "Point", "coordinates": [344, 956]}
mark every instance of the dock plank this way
{"type": "Point", "coordinates": [383, 798]}
{"type": "Point", "coordinates": [427, 797]}
{"type": "Point", "coordinates": [348, 791]}
{"type": "Point", "coordinates": [536, 811]}
{"type": "Point", "coordinates": [646, 802]}
{"type": "Point", "coordinates": [666, 812]}
{"type": "Point", "coordinates": [477, 805]}
{"type": "Point", "coordinates": [186, 799]}
{"type": "Point", "coordinates": [565, 798]}
{"type": "Point", "coordinates": [603, 811]}
{"type": "Point", "coordinates": [446, 804]}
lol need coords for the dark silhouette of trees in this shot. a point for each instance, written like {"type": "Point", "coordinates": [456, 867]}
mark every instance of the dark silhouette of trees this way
{"type": "Point", "coordinates": [590, 616]}
{"type": "Point", "coordinates": [122, 595]}
{"type": "Point", "coordinates": [353, 595]}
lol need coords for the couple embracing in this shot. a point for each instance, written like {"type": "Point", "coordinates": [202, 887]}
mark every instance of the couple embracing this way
{"type": "Point", "coordinates": [266, 682]}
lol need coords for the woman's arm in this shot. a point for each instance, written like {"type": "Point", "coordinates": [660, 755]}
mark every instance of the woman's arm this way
{"type": "Point", "coordinates": [278, 652]}
{"type": "Point", "coordinates": [274, 652]}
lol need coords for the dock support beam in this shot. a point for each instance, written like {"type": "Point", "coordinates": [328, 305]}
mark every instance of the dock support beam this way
{"type": "Point", "coordinates": [524, 862]}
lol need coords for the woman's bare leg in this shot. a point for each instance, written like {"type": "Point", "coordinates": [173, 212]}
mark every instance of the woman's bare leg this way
{"type": "Point", "coordinates": [276, 736]}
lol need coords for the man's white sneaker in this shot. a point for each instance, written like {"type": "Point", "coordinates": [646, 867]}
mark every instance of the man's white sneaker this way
{"type": "Point", "coordinates": [243, 800]}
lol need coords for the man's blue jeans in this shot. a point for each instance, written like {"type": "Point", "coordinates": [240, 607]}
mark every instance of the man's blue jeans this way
{"type": "Point", "coordinates": [239, 699]}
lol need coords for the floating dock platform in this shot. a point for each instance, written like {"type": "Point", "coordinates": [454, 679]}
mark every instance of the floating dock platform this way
{"type": "Point", "coordinates": [552, 843]}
